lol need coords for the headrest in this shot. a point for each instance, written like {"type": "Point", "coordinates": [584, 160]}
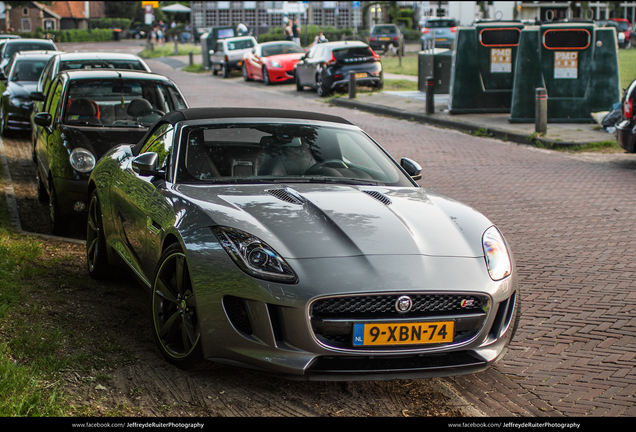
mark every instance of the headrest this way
{"type": "Point", "coordinates": [82, 108]}
{"type": "Point", "coordinates": [138, 106]}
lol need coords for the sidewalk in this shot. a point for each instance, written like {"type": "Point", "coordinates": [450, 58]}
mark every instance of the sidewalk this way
{"type": "Point", "coordinates": [412, 106]}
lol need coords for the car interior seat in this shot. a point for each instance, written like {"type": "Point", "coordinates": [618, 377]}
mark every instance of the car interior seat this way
{"type": "Point", "coordinates": [85, 110]}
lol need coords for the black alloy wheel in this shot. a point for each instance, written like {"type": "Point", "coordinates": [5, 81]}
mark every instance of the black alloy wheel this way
{"type": "Point", "coordinates": [174, 311]}
{"type": "Point", "coordinates": [96, 258]}
{"type": "Point", "coordinates": [266, 79]}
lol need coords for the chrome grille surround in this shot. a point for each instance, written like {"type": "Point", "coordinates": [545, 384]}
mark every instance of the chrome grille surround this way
{"type": "Point", "coordinates": [332, 318]}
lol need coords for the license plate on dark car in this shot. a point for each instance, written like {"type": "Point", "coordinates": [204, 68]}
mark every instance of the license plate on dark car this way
{"type": "Point", "coordinates": [403, 333]}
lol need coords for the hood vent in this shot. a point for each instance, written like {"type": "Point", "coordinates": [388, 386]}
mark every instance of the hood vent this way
{"type": "Point", "coordinates": [379, 196]}
{"type": "Point", "coordinates": [286, 195]}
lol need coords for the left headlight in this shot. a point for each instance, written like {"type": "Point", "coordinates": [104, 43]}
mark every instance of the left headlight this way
{"type": "Point", "coordinates": [82, 160]}
{"type": "Point", "coordinates": [496, 254]}
{"type": "Point", "coordinates": [254, 256]}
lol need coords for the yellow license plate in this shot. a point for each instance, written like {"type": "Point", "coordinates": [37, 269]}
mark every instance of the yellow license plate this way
{"type": "Point", "coordinates": [361, 75]}
{"type": "Point", "coordinates": [440, 39]}
{"type": "Point", "coordinates": [403, 333]}
{"type": "Point", "coordinates": [384, 38]}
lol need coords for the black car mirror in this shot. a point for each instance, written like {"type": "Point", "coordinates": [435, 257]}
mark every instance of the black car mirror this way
{"type": "Point", "coordinates": [37, 96]}
{"type": "Point", "coordinates": [146, 164]}
{"type": "Point", "coordinates": [412, 168]}
{"type": "Point", "coordinates": [42, 119]}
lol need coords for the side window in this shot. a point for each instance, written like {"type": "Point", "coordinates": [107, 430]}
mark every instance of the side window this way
{"type": "Point", "coordinates": [52, 102]}
{"type": "Point", "coordinates": [160, 142]}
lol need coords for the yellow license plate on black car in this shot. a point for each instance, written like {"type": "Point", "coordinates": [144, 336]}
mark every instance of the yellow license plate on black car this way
{"type": "Point", "coordinates": [403, 333]}
{"type": "Point", "coordinates": [385, 38]}
{"type": "Point", "coordinates": [361, 75]}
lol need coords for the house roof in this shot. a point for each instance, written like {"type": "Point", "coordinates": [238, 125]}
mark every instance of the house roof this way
{"type": "Point", "coordinates": [77, 9]}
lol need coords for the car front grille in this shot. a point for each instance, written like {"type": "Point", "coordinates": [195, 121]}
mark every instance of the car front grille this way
{"type": "Point", "coordinates": [332, 319]}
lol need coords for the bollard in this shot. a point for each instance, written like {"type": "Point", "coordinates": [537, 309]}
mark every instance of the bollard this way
{"type": "Point", "coordinates": [541, 111]}
{"type": "Point", "coordinates": [176, 47]}
{"type": "Point", "coordinates": [430, 95]}
{"type": "Point", "coordinates": [352, 85]}
{"type": "Point", "coordinates": [191, 58]}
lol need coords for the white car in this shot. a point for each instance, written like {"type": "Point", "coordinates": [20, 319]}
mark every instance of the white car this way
{"type": "Point", "coordinates": [228, 54]}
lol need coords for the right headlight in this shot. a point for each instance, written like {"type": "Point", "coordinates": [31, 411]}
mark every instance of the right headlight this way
{"type": "Point", "coordinates": [496, 254]}
{"type": "Point", "coordinates": [82, 160]}
{"type": "Point", "coordinates": [254, 256]}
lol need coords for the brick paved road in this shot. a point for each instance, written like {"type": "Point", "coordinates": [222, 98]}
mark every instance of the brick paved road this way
{"type": "Point", "coordinates": [570, 221]}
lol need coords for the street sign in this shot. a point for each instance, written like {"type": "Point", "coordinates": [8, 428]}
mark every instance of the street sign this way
{"type": "Point", "coordinates": [154, 4]}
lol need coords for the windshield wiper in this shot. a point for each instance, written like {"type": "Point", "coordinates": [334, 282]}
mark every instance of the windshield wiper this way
{"type": "Point", "coordinates": [349, 181]}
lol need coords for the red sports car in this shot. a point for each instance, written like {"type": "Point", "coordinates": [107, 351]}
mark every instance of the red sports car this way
{"type": "Point", "coordinates": [272, 62]}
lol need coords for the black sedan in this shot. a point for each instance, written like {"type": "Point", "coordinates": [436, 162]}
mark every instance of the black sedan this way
{"type": "Point", "coordinates": [326, 67]}
{"type": "Point", "coordinates": [22, 74]}
{"type": "Point", "coordinates": [84, 115]}
{"type": "Point", "coordinates": [626, 128]}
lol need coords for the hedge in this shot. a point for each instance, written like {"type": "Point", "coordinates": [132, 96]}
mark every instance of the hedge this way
{"type": "Point", "coordinates": [95, 35]}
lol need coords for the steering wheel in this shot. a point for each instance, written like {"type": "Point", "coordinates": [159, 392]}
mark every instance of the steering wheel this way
{"type": "Point", "coordinates": [330, 163]}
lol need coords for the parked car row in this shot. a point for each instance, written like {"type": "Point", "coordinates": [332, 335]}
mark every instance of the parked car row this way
{"type": "Point", "coordinates": [77, 106]}
{"type": "Point", "coordinates": [325, 66]}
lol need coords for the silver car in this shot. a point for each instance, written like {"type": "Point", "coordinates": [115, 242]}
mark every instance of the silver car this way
{"type": "Point", "coordinates": [228, 54]}
{"type": "Point", "coordinates": [291, 242]}
{"type": "Point", "coordinates": [438, 33]}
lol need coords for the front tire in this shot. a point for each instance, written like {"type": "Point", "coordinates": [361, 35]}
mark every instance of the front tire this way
{"type": "Point", "coordinates": [96, 257]}
{"type": "Point", "coordinates": [266, 79]}
{"type": "Point", "coordinates": [246, 75]}
{"type": "Point", "coordinates": [299, 86]}
{"type": "Point", "coordinates": [174, 311]}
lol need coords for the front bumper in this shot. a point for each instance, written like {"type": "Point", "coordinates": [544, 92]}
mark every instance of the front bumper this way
{"type": "Point", "coordinates": [70, 192]}
{"type": "Point", "coordinates": [272, 327]}
{"type": "Point", "coordinates": [19, 118]}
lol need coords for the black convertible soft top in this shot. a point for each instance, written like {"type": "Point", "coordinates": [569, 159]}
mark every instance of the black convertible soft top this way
{"type": "Point", "coordinates": [179, 115]}
{"type": "Point", "coordinates": [230, 112]}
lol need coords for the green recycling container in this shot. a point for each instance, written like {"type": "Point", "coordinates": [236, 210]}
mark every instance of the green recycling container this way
{"type": "Point", "coordinates": [483, 68]}
{"type": "Point", "coordinates": [576, 62]}
{"type": "Point", "coordinates": [437, 64]}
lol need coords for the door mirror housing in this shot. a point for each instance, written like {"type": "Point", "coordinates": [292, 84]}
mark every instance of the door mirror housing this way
{"type": "Point", "coordinates": [146, 165]}
{"type": "Point", "coordinates": [412, 168]}
{"type": "Point", "coordinates": [37, 96]}
{"type": "Point", "coordinates": [42, 119]}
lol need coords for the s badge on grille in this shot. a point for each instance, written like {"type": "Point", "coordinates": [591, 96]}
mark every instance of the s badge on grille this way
{"type": "Point", "coordinates": [403, 304]}
{"type": "Point", "coordinates": [467, 302]}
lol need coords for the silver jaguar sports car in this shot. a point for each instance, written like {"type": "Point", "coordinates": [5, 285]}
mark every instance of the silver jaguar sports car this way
{"type": "Point", "coordinates": [291, 242]}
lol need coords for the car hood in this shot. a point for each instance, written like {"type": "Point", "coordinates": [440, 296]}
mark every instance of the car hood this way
{"type": "Point", "coordinates": [316, 221]}
{"type": "Point", "coordinates": [101, 139]}
{"type": "Point", "coordinates": [22, 89]}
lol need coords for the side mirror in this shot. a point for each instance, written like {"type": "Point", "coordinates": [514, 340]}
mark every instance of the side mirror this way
{"type": "Point", "coordinates": [412, 168]}
{"type": "Point", "coordinates": [42, 119]}
{"type": "Point", "coordinates": [146, 165]}
{"type": "Point", "coordinates": [37, 96]}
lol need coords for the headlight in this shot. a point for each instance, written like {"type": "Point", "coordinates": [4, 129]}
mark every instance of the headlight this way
{"type": "Point", "coordinates": [254, 256]}
{"type": "Point", "coordinates": [82, 160]}
{"type": "Point", "coordinates": [496, 254]}
{"type": "Point", "coordinates": [275, 64]}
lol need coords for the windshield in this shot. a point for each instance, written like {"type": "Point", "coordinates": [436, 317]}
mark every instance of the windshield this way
{"type": "Point", "coordinates": [441, 23]}
{"type": "Point", "coordinates": [27, 70]}
{"type": "Point", "coordinates": [240, 44]}
{"type": "Point", "coordinates": [277, 49]}
{"type": "Point", "coordinates": [13, 48]}
{"type": "Point", "coordinates": [101, 64]}
{"type": "Point", "coordinates": [384, 30]}
{"type": "Point", "coordinates": [288, 153]}
{"type": "Point", "coordinates": [119, 102]}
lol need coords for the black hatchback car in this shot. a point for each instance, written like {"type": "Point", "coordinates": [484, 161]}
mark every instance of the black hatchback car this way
{"type": "Point", "coordinates": [626, 128]}
{"type": "Point", "coordinates": [327, 66]}
{"type": "Point", "coordinates": [85, 114]}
